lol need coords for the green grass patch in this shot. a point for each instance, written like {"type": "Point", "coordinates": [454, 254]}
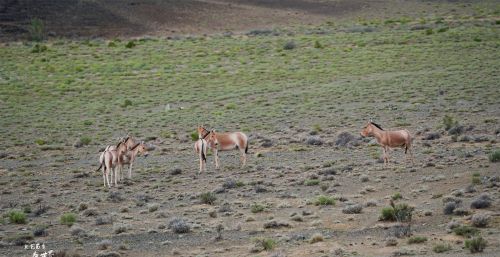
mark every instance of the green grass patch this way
{"type": "Point", "coordinates": [441, 248]}
{"type": "Point", "coordinates": [466, 231]}
{"type": "Point", "coordinates": [68, 219]}
{"type": "Point", "coordinates": [417, 240]}
{"type": "Point", "coordinates": [208, 198]}
{"type": "Point", "coordinates": [475, 245]}
{"type": "Point", "coordinates": [311, 182]}
{"type": "Point", "coordinates": [324, 200]}
{"type": "Point", "coordinates": [494, 156]}
{"type": "Point", "coordinates": [256, 208]}
{"type": "Point", "coordinates": [17, 217]}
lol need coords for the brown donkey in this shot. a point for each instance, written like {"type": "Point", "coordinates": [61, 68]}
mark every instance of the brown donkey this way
{"type": "Point", "coordinates": [226, 142]}
{"type": "Point", "coordinates": [389, 139]}
{"type": "Point", "coordinates": [108, 161]}
{"type": "Point", "coordinates": [200, 147]}
{"type": "Point", "coordinates": [127, 155]}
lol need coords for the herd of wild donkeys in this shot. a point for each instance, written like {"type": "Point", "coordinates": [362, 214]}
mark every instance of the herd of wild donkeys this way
{"type": "Point", "coordinates": [114, 157]}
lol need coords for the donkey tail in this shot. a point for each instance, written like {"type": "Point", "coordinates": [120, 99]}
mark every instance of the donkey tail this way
{"type": "Point", "coordinates": [203, 153]}
{"type": "Point", "coordinates": [246, 148]}
{"type": "Point", "coordinates": [100, 166]}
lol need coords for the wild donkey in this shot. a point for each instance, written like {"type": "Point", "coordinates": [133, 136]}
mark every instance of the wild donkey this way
{"type": "Point", "coordinates": [127, 153]}
{"type": "Point", "coordinates": [387, 139]}
{"type": "Point", "coordinates": [225, 142]}
{"type": "Point", "coordinates": [108, 161]}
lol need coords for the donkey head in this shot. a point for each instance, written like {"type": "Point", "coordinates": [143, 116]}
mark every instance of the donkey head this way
{"type": "Point", "coordinates": [367, 130]}
{"type": "Point", "coordinates": [202, 132]}
{"type": "Point", "coordinates": [212, 139]}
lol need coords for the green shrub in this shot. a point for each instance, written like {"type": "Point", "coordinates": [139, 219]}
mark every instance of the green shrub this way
{"type": "Point", "coordinates": [444, 29]}
{"type": "Point", "coordinates": [17, 217]}
{"type": "Point", "coordinates": [87, 122]}
{"type": "Point", "coordinates": [194, 136]}
{"type": "Point", "coordinates": [449, 122]}
{"type": "Point", "coordinates": [257, 208]}
{"type": "Point", "coordinates": [324, 200]}
{"type": "Point", "coordinates": [476, 180]}
{"type": "Point", "coordinates": [475, 245]}
{"type": "Point", "coordinates": [230, 106]}
{"type": "Point", "coordinates": [289, 45]}
{"type": "Point", "coordinates": [85, 140]}
{"type": "Point", "coordinates": [39, 48]}
{"type": "Point", "coordinates": [466, 231]}
{"type": "Point", "coordinates": [208, 198]}
{"type": "Point", "coordinates": [401, 212]}
{"type": "Point", "coordinates": [417, 240]}
{"type": "Point", "coordinates": [317, 44]}
{"type": "Point", "coordinates": [240, 183]}
{"type": "Point", "coordinates": [111, 44]}
{"type": "Point", "coordinates": [127, 103]}
{"type": "Point", "coordinates": [387, 214]}
{"type": "Point", "coordinates": [68, 219]}
{"type": "Point", "coordinates": [36, 30]}
{"type": "Point", "coordinates": [429, 32]}
{"type": "Point", "coordinates": [40, 142]}
{"type": "Point", "coordinates": [266, 243]}
{"type": "Point", "coordinates": [441, 248]}
{"type": "Point", "coordinates": [130, 44]}
{"type": "Point", "coordinates": [494, 156]}
{"type": "Point", "coordinates": [311, 182]}
{"type": "Point", "coordinates": [396, 196]}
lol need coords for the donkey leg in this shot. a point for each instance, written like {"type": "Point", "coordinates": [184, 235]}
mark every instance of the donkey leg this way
{"type": "Point", "coordinates": [130, 170]}
{"type": "Point", "coordinates": [243, 157]}
{"type": "Point", "coordinates": [104, 175]}
{"type": "Point", "coordinates": [216, 157]}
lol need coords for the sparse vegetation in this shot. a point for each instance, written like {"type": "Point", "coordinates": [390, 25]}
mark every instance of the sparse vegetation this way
{"type": "Point", "coordinates": [494, 156]}
{"type": "Point", "coordinates": [417, 240]}
{"type": "Point", "coordinates": [179, 226]}
{"type": "Point", "coordinates": [352, 209]}
{"type": "Point", "coordinates": [483, 201]}
{"type": "Point", "coordinates": [401, 212]}
{"type": "Point", "coordinates": [466, 231]}
{"type": "Point", "coordinates": [324, 200]}
{"type": "Point", "coordinates": [480, 220]}
{"type": "Point", "coordinates": [302, 110]}
{"type": "Point", "coordinates": [257, 208]}
{"type": "Point", "coordinates": [396, 196]}
{"type": "Point", "coordinates": [208, 198]}
{"type": "Point", "coordinates": [311, 182]}
{"type": "Point", "coordinates": [17, 217]}
{"type": "Point", "coordinates": [476, 244]}
{"type": "Point", "coordinates": [36, 30]}
{"type": "Point", "coordinates": [266, 243]}
{"type": "Point", "coordinates": [441, 248]}
{"type": "Point", "coordinates": [68, 219]}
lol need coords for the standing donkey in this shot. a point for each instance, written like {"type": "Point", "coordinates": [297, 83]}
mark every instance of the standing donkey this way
{"type": "Point", "coordinates": [225, 142]}
{"type": "Point", "coordinates": [108, 161]}
{"type": "Point", "coordinates": [389, 139]}
{"type": "Point", "coordinates": [127, 155]}
{"type": "Point", "coordinates": [200, 147]}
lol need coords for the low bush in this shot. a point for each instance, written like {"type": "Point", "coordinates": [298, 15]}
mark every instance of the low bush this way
{"type": "Point", "coordinates": [475, 245]}
{"type": "Point", "coordinates": [324, 200]}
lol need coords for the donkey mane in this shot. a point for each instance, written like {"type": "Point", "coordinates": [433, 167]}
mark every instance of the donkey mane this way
{"type": "Point", "coordinates": [376, 125]}
{"type": "Point", "coordinates": [135, 146]}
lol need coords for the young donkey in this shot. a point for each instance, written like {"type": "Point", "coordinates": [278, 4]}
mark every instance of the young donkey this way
{"type": "Point", "coordinates": [397, 138]}
{"type": "Point", "coordinates": [225, 142]}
